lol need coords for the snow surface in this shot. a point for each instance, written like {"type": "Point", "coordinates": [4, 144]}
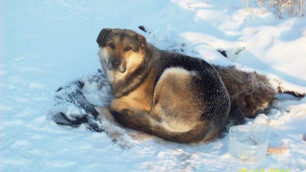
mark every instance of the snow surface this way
{"type": "Point", "coordinates": [47, 44]}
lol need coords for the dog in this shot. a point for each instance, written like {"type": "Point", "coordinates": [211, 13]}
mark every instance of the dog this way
{"type": "Point", "coordinates": [174, 96]}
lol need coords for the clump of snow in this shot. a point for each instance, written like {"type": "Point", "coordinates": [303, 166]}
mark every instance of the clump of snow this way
{"type": "Point", "coordinates": [249, 143]}
{"type": "Point", "coordinates": [261, 119]}
{"type": "Point", "coordinates": [47, 44]}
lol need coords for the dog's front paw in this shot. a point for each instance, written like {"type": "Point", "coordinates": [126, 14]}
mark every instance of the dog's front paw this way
{"type": "Point", "coordinates": [126, 112]}
{"type": "Point", "coordinates": [121, 115]}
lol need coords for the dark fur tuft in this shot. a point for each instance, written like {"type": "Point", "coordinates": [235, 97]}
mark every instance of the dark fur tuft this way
{"type": "Point", "coordinates": [102, 35]}
{"type": "Point", "coordinates": [250, 92]}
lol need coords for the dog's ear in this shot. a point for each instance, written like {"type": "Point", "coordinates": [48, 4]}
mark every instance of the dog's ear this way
{"type": "Point", "coordinates": [102, 35]}
{"type": "Point", "coordinates": [142, 42]}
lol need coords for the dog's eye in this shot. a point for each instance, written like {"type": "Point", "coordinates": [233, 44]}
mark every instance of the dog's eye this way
{"type": "Point", "coordinates": [128, 48]}
{"type": "Point", "coordinates": [111, 45]}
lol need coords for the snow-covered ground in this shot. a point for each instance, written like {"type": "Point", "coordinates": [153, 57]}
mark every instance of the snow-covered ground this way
{"type": "Point", "coordinates": [47, 44]}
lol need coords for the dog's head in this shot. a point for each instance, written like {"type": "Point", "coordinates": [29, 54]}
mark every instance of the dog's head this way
{"type": "Point", "coordinates": [121, 51]}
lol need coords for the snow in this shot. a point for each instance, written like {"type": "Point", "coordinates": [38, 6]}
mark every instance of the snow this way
{"type": "Point", "coordinates": [47, 44]}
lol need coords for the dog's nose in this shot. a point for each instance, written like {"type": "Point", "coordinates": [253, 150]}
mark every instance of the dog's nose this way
{"type": "Point", "coordinates": [115, 62]}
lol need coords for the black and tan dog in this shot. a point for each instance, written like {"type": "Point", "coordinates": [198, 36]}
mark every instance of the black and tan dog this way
{"type": "Point", "coordinates": [174, 96]}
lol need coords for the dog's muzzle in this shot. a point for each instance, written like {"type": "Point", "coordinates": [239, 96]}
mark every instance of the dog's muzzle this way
{"type": "Point", "coordinates": [115, 64]}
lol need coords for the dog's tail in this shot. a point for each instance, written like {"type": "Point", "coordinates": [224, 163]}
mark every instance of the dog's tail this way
{"type": "Point", "coordinates": [146, 123]}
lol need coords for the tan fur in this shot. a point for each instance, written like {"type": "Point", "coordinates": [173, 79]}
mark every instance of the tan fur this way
{"type": "Point", "coordinates": [138, 100]}
{"type": "Point", "coordinates": [134, 60]}
{"type": "Point", "coordinates": [177, 102]}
